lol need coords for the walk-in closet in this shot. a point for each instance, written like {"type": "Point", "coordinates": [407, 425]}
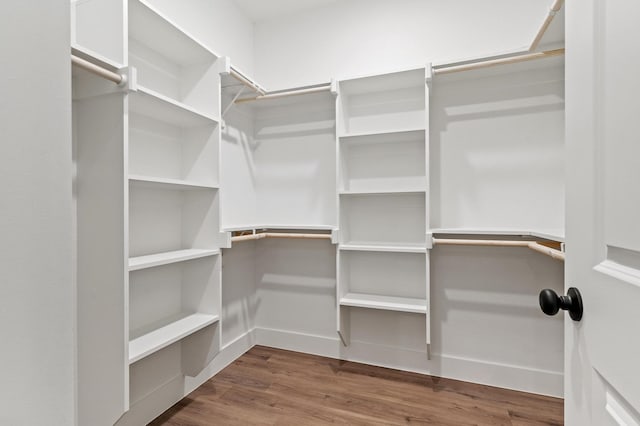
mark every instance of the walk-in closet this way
{"type": "Point", "coordinates": [330, 211]}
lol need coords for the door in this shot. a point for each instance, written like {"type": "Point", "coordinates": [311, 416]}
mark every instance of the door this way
{"type": "Point", "coordinates": [602, 352]}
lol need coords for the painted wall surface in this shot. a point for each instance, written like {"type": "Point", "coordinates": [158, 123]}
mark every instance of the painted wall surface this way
{"type": "Point", "coordinates": [356, 37]}
{"type": "Point", "coordinates": [37, 294]}
{"type": "Point", "coordinates": [220, 24]}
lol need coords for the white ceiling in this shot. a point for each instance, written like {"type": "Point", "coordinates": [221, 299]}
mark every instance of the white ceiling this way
{"type": "Point", "coordinates": [260, 10]}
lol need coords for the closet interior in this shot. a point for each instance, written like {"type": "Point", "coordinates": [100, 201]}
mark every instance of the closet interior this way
{"type": "Point", "coordinates": [403, 219]}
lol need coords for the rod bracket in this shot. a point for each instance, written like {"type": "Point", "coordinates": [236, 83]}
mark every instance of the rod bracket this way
{"type": "Point", "coordinates": [429, 241]}
{"type": "Point", "coordinates": [129, 78]}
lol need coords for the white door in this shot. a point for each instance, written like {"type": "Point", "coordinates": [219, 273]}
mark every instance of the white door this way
{"type": "Point", "coordinates": [602, 352]}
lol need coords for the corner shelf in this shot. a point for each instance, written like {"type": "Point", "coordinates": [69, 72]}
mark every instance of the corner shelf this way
{"type": "Point", "coordinates": [150, 103]}
{"type": "Point", "coordinates": [167, 183]}
{"type": "Point", "coordinates": [388, 303]}
{"type": "Point", "coordinates": [384, 247]}
{"type": "Point", "coordinates": [162, 337]}
{"type": "Point", "coordinates": [166, 258]}
{"type": "Point", "coordinates": [551, 234]}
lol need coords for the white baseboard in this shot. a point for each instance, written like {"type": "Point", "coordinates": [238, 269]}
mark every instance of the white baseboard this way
{"type": "Point", "coordinates": [506, 376]}
{"type": "Point", "coordinates": [154, 404]}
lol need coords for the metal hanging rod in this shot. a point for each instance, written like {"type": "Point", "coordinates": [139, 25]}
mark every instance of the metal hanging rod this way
{"type": "Point", "coordinates": [533, 245]}
{"type": "Point", "coordinates": [448, 69]}
{"type": "Point", "coordinates": [98, 70]}
{"type": "Point", "coordinates": [244, 80]}
{"type": "Point", "coordinates": [286, 93]}
{"type": "Point", "coordinates": [294, 235]}
{"type": "Point", "coordinates": [555, 8]}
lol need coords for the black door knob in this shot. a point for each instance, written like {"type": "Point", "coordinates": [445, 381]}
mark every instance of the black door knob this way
{"type": "Point", "coordinates": [551, 303]}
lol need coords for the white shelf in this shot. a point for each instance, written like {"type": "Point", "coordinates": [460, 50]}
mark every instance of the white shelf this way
{"type": "Point", "coordinates": [159, 259]}
{"type": "Point", "coordinates": [388, 303]}
{"type": "Point", "coordinates": [168, 183]}
{"type": "Point", "coordinates": [413, 78]}
{"type": "Point", "coordinates": [389, 132]}
{"type": "Point", "coordinates": [151, 28]}
{"type": "Point", "coordinates": [384, 191]}
{"type": "Point", "coordinates": [150, 103]}
{"type": "Point", "coordinates": [94, 57]}
{"type": "Point", "coordinates": [287, 226]}
{"type": "Point", "coordinates": [553, 235]}
{"type": "Point", "coordinates": [162, 337]}
{"type": "Point", "coordinates": [549, 234]}
{"type": "Point", "coordinates": [388, 248]}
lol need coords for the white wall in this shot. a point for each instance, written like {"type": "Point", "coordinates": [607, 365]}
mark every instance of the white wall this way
{"type": "Point", "coordinates": [220, 24]}
{"type": "Point", "coordinates": [37, 290]}
{"type": "Point", "coordinates": [355, 37]}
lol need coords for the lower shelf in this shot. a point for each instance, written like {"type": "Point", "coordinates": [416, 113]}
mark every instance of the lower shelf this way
{"type": "Point", "coordinates": [159, 259]}
{"type": "Point", "coordinates": [388, 303]}
{"type": "Point", "coordinates": [162, 337]}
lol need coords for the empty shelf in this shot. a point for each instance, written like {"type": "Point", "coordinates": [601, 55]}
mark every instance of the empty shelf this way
{"type": "Point", "coordinates": [388, 303]}
{"type": "Point", "coordinates": [362, 136]}
{"type": "Point", "coordinates": [384, 191]}
{"type": "Point", "coordinates": [159, 259]}
{"type": "Point", "coordinates": [168, 183]}
{"type": "Point", "coordinates": [162, 337]}
{"type": "Point", "coordinates": [393, 248]}
{"type": "Point", "coordinates": [250, 227]}
{"type": "Point", "coordinates": [153, 104]}
{"type": "Point", "coordinates": [553, 235]}
{"type": "Point", "coordinates": [158, 32]}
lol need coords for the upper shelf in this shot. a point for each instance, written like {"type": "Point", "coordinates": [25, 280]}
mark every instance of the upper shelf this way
{"type": "Point", "coordinates": [414, 78]}
{"type": "Point", "coordinates": [153, 104]}
{"type": "Point", "coordinates": [167, 183]}
{"type": "Point", "coordinates": [151, 28]}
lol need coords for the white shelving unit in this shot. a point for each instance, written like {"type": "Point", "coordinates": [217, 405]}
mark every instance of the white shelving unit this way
{"type": "Point", "coordinates": [172, 162]}
{"type": "Point", "coordinates": [382, 139]}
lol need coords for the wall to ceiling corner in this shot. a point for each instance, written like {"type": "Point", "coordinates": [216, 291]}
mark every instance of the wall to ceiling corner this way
{"type": "Point", "coordinates": [354, 37]}
{"type": "Point", "coordinates": [219, 24]}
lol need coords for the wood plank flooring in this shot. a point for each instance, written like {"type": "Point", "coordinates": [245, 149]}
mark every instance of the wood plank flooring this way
{"type": "Point", "coordinates": [274, 387]}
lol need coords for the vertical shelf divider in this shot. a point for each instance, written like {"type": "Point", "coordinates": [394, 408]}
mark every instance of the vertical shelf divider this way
{"type": "Point", "coordinates": [382, 122]}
